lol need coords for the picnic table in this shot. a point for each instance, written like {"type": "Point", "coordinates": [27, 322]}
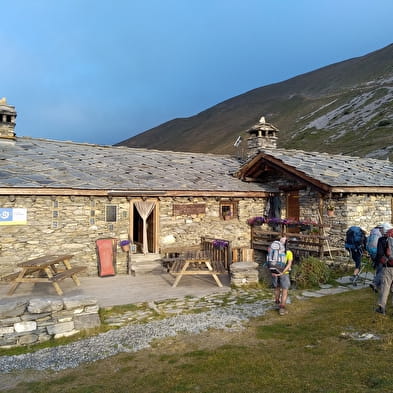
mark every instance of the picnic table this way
{"type": "Point", "coordinates": [46, 269]}
{"type": "Point", "coordinates": [194, 263]}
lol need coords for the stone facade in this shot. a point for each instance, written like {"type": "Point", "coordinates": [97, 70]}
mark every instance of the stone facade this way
{"type": "Point", "coordinates": [186, 230]}
{"type": "Point", "coordinates": [29, 321]}
{"type": "Point", "coordinates": [362, 210]}
{"type": "Point", "coordinates": [60, 225]}
{"type": "Point", "coordinates": [72, 225]}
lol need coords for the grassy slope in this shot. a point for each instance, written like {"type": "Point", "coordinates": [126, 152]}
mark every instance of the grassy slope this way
{"type": "Point", "coordinates": [306, 351]}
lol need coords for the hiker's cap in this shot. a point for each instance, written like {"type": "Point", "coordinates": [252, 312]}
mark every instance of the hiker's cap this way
{"type": "Point", "coordinates": [385, 227]}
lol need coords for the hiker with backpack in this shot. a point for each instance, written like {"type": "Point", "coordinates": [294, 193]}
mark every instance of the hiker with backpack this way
{"type": "Point", "coordinates": [385, 259]}
{"type": "Point", "coordinates": [355, 243]}
{"type": "Point", "coordinates": [371, 247]}
{"type": "Point", "coordinates": [280, 261]}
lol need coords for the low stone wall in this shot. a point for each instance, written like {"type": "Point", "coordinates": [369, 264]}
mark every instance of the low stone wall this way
{"type": "Point", "coordinates": [30, 321]}
{"type": "Point", "coordinates": [244, 273]}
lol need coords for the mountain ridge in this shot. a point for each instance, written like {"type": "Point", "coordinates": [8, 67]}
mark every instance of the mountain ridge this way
{"type": "Point", "coordinates": [345, 107]}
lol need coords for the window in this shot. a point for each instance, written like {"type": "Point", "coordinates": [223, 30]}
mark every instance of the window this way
{"type": "Point", "coordinates": [228, 210]}
{"type": "Point", "coordinates": [110, 213]}
{"type": "Point", "coordinates": [55, 214]}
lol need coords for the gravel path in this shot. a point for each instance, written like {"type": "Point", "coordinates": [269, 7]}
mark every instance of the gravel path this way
{"type": "Point", "coordinates": [134, 337]}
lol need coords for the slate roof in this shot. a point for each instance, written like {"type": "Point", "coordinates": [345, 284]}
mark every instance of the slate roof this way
{"type": "Point", "coordinates": [331, 170]}
{"type": "Point", "coordinates": [40, 163]}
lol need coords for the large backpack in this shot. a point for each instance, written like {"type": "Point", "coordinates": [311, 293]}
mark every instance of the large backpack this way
{"type": "Point", "coordinates": [354, 238]}
{"type": "Point", "coordinates": [372, 242]}
{"type": "Point", "coordinates": [389, 248]}
{"type": "Point", "coordinates": [276, 255]}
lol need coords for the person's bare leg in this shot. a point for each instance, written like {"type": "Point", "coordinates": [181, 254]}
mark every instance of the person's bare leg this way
{"type": "Point", "coordinates": [284, 296]}
{"type": "Point", "coordinates": [277, 291]}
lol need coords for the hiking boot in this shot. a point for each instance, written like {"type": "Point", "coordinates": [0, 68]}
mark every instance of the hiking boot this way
{"type": "Point", "coordinates": [283, 311]}
{"type": "Point", "coordinates": [380, 310]}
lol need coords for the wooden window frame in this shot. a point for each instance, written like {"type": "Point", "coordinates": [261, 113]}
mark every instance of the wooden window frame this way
{"type": "Point", "coordinates": [107, 220]}
{"type": "Point", "coordinates": [228, 206]}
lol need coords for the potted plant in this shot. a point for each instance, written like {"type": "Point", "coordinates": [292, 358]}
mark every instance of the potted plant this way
{"type": "Point", "coordinates": [125, 245]}
{"type": "Point", "coordinates": [220, 244]}
{"type": "Point", "coordinates": [330, 209]}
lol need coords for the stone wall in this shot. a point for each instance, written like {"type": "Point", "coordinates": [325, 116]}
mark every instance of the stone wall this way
{"type": "Point", "coordinates": [72, 225]}
{"type": "Point", "coordinates": [68, 225]}
{"type": "Point", "coordinates": [364, 210]}
{"type": "Point", "coordinates": [186, 230]}
{"type": "Point", "coordinates": [30, 321]}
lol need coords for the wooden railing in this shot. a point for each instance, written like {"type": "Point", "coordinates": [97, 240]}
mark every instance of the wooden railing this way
{"type": "Point", "coordinates": [223, 255]}
{"type": "Point", "coordinates": [216, 255]}
{"type": "Point", "coordinates": [302, 245]}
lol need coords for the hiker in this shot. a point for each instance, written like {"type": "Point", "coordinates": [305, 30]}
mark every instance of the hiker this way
{"type": "Point", "coordinates": [384, 258]}
{"type": "Point", "coordinates": [280, 262]}
{"type": "Point", "coordinates": [355, 243]}
{"type": "Point", "coordinates": [372, 246]}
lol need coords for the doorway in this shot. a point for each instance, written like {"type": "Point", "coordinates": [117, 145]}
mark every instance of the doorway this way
{"type": "Point", "coordinates": [293, 209]}
{"type": "Point", "coordinates": [137, 226]}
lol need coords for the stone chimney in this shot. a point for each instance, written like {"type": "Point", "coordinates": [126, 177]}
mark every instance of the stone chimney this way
{"type": "Point", "coordinates": [7, 120]}
{"type": "Point", "coordinates": [262, 136]}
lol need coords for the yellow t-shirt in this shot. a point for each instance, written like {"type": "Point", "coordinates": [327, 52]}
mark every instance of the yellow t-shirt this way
{"type": "Point", "coordinates": [288, 257]}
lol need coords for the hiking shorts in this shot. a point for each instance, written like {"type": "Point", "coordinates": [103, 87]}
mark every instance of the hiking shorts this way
{"type": "Point", "coordinates": [283, 281]}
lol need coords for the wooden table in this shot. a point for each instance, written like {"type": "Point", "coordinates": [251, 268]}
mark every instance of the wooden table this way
{"type": "Point", "coordinates": [46, 269]}
{"type": "Point", "coordinates": [194, 265]}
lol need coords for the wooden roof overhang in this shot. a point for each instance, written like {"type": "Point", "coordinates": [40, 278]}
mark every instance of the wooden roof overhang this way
{"type": "Point", "coordinates": [263, 163]}
{"type": "Point", "coordinates": [130, 193]}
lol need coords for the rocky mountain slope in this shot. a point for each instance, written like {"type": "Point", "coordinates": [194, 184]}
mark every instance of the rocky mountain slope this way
{"type": "Point", "coordinates": [345, 108]}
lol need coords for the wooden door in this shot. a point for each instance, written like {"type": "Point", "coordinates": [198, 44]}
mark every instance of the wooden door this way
{"type": "Point", "coordinates": [293, 209]}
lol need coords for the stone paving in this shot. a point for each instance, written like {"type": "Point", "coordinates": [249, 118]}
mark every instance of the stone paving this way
{"type": "Point", "coordinates": [153, 310]}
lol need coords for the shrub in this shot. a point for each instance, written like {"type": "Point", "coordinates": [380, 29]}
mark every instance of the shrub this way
{"type": "Point", "coordinates": [310, 272]}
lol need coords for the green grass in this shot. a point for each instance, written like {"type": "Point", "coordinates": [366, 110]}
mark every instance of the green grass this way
{"type": "Point", "coordinates": [309, 350]}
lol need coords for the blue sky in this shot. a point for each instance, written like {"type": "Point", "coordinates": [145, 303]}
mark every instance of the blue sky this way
{"type": "Point", "coordinates": [102, 71]}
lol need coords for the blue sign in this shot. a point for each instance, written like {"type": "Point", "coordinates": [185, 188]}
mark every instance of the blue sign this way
{"type": "Point", "coordinates": [13, 216]}
{"type": "Point", "coordinates": [5, 214]}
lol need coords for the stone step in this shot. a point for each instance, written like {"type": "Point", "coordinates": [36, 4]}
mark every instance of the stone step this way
{"type": "Point", "coordinates": [148, 263]}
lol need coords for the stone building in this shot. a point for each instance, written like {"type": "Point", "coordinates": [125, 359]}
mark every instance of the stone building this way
{"type": "Point", "coordinates": [336, 191]}
{"type": "Point", "coordinates": [62, 197]}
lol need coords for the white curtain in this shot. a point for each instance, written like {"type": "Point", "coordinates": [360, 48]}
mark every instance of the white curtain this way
{"type": "Point", "coordinates": [144, 210]}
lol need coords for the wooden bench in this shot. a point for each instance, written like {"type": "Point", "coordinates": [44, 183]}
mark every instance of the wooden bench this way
{"type": "Point", "coordinates": [45, 269]}
{"type": "Point", "coordinates": [9, 277]}
{"type": "Point", "coordinates": [12, 276]}
{"type": "Point", "coordinates": [218, 267]}
{"type": "Point", "coordinates": [195, 266]}
{"type": "Point", "coordinates": [68, 273]}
